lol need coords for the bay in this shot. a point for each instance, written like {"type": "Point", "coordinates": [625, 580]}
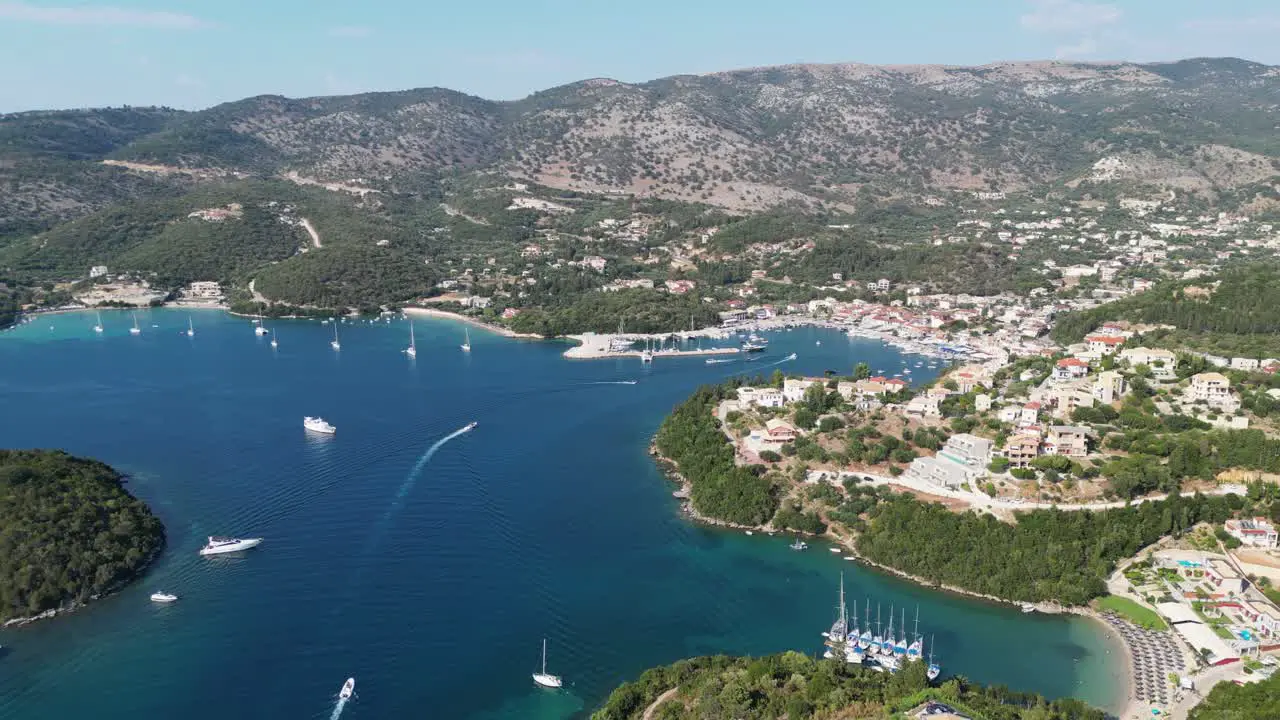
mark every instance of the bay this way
{"type": "Point", "coordinates": [430, 578]}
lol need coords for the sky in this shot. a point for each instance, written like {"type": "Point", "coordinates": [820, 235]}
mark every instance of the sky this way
{"type": "Point", "coordinates": [196, 53]}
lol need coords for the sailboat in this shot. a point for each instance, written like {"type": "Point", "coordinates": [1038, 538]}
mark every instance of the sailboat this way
{"type": "Point", "coordinates": [274, 343]}
{"type": "Point", "coordinates": [544, 678]}
{"type": "Point", "coordinates": [900, 642]}
{"type": "Point", "coordinates": [878, 638]}
{"type": "Point", "coordinates": [98, 328]}
{"type": "Point", "coordinates": [258, 328]}
{"type": "Point", "coordinates": [412, 350]}
{"type": "Point", "coordinates": [135, 330]}
{"type": "Point", "coordinates": [466, 344]}
{"type": "Point", "coordinates": [334, 342]}
{"type": "Point", "coordinates": [864, 641]}
{"type": "Point", "coordinates": [916, 649]}
{"type": "Point", "coordinates": [933, 671]}
{"type": "Point", "coordinates": [191, 329]}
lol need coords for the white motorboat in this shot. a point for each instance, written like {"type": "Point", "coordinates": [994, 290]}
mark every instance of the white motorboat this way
{"type": "Point", "coordinates": [412, 350]}
{"type": "Point", "coordinates": [1027, 607]}
{"type": "Point", "coordinates": [348, 689]}
{"type": "Point", "coordinates": [544, 678]}
{"type": "Point", "coordinates": [98, 328]}
{"type": "Point", "coordinates": [466, 343]}
{"type": "Point", "coordinates": [470, 426]}
{"type": "Point", "coordinates": [135, 330]}
{"type": "Point", "coordinates": [318, 424]}
{"type": "Point", "coordinates": [219, 545]}
{"type": "Point", "coordinates": [163, 597]}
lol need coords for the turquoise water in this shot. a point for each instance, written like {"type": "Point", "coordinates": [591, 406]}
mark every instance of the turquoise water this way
{"type": "Point", "coordinates": [431, 580]}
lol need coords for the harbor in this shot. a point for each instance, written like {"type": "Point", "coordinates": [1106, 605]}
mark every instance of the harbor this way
{"type": "Point", "coordinates": [599, 346]}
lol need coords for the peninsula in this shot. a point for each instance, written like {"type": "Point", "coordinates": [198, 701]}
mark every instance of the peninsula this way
{"type": "Point", "coordinates": [69, 533]}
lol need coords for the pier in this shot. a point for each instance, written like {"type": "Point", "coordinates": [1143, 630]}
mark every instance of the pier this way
{"type": "Point", "coordinates": [594, 346]}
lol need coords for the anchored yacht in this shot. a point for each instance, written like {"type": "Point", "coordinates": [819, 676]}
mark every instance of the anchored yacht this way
{"type": "Point", "coordinates": [220, 545]}
{"type": "Point", "coordinates": [163, 597]}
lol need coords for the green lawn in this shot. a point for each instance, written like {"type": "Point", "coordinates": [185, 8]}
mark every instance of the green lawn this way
{"type": "Point", "coordinates": [1132, 611]}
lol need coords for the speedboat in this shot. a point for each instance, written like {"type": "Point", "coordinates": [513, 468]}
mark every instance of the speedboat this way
{"type": "Point", "coordinates": [1027, 607]}
{"type": "Point", "coordinates": [316, 424]}
{"type": "Point", "coordinates": [348, 689]}
{"type": "Point", "coordinates": [792, 356]}
{"type": "Point", "coordinates": [470, 426]}
{"type": "Point", "coordinates": [544, 678]}
{"type": "Point", "coordinates": [163, 597]}
{"type": "Point", "coordinates": [220, 545]}
{"type": "Point", "coordinates": [714, 361]}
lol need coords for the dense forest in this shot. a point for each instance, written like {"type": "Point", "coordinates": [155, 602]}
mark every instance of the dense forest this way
{"type": "Point", "coordinates": [68, 531]}
{"type": "Point", "coordinates": [1045, 555]}
{"type": "Point", "coordinates": [1240, 316]}
{"type": "Point", "coordinates": [796, 687]}
{"type": "Point", "coordinates": [691, 437]}
{"type": "Point", "coordinates": [1229, 701]}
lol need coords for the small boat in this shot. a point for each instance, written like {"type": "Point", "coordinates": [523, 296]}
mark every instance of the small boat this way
{"type": "Point", "coordinates": [334, 342]}
{"type": "Point", "coordinates": [348, 689]}
{"type": "Point", "coordinates": [412, 350]}
{"type": "Point", "coordinates": [817, 342]}
{"type": "Point", "coordinates": [219, 545]}
{"type": "Point", "coordinates": [792, 356]}
{"type": "Point", "coordinates": [135, 330]}
{"type": "Point", "coordinates": [98, 328]}
{"type": "Point", "coordinates": [799, 545]}
{"type": "Point", "coordinates": [317, 424]}
{"type": "Point", "coordinates": [835, 550]}
{"type": "Point", "coordinates": [544, 678]}
{"type": "Point", "coordinates": [714, 361]}
{"type": "Point", "coordinates": [750, 533]}
{"type": "Point", "coordinates": [258, 328]}
{"type": "Point", "coordinates": [191, 329]}
{"type": "Point", "coordinates": [466, 344]}
{"type": "Point", "coordinates": [274, 343]}
{"type": "Point", "coordinates": [470, 426]}
{"type": "Point", "coordinates": [1027, 607]}
{"type": "Point", "coordinates": [163, 597]}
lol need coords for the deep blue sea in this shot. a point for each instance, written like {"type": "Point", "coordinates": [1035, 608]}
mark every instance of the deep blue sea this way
{"type": "Point", "coordinates": [429, 577]}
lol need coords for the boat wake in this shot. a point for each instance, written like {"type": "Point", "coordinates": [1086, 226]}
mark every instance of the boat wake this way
{"type": "Point", "coordinates": [613, 382]}
{"type": "Point", "coordinates": [788, 358]}
{"type": "Point", "coordinates": [337, 709]}
{"type": "Point", "coordinates": [410, 481]}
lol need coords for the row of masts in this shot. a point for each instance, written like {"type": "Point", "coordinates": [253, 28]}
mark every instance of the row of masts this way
{"type": "Point", "coordinates": [860, 642]}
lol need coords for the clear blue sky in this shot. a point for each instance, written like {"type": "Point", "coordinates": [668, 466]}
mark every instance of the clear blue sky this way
{"type": "Point", "coordinates": [196, 53]}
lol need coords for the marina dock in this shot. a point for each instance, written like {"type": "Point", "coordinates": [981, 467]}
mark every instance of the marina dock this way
{"type": "Point", "coordinates": [594, 346]}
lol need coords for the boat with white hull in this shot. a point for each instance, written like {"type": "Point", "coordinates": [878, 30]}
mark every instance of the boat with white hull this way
{"type": "Point", "coordinates": [163, 597]}
{"type": "Point", "coordinates": [544, 678]}
{"type": "Point", "coordinates": [348, 689]}
{"type": "Point", "coordinates": [220, 545]}
{"type": "Point", "coordinates": [317, 424]}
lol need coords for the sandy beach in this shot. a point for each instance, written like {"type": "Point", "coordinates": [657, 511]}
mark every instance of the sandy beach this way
{"type": "Point", "coordinates": [446, 315]}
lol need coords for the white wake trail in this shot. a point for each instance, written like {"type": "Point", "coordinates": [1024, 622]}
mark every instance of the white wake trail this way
{"type": "Point", "coordinates": [337, 709]}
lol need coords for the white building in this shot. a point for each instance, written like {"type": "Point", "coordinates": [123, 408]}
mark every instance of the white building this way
{"type": "Point", "coordinates": [1256, 532]}
{"type": "Point", "coordinates": [97, 271]}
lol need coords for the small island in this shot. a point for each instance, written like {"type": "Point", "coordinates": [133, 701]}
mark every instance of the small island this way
{"type": "Point", "coordinates": [69, 533]}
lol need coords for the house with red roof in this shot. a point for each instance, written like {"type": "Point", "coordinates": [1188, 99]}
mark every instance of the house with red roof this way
{"type": "Point", "coordinates": [1070, 369]}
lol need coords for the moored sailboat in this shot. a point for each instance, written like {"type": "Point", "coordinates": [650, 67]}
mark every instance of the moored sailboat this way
{"type": "Point", "coordinates": [544, 678]}
{"type": "Point", "coordinates": [412, 350]}
{"type": "Point", "coordinates": [466, 343]}
{"type": "Point", "coordinates": [135, 330]}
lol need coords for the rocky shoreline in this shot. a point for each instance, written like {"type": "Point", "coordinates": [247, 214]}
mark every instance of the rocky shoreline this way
{"type": "Point", "coordinates": [81, 604]}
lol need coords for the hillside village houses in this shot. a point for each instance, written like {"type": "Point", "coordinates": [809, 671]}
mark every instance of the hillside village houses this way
{"type": "Point", "coordinates": [1254, 532]}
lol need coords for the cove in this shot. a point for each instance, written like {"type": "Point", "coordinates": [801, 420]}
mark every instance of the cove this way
{"type": "Point", "coordinates": [431, 581]}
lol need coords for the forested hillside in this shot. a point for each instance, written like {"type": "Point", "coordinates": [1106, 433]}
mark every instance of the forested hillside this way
{"type": "Point", "coordinates": [68, 531]}
{"type": "Point", "coordinates": [794, 686]}
{"type": "Point", "coordinates": [1236, 312]}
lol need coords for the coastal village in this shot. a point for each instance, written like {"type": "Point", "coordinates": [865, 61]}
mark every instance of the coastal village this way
{"type": "Point", "coordinates": [1016, 421]}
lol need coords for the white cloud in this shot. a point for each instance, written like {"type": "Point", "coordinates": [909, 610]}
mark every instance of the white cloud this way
{"type": "Point", "coordinates": [99, 16]}
{"type": "Point", "coordinates": [1068, 16]}
{"type": "Point", "coordinates": [351, 31]}
{"type": "Point", "coordinates": [1082, 49]}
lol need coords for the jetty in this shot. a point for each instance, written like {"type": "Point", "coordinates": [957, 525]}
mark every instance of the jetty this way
{"type": "Point", "coordinates": [613, 345]}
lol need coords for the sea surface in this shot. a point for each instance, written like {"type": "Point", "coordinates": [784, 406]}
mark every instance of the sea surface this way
{"type": "Point", "coordinates": [430, 571]}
